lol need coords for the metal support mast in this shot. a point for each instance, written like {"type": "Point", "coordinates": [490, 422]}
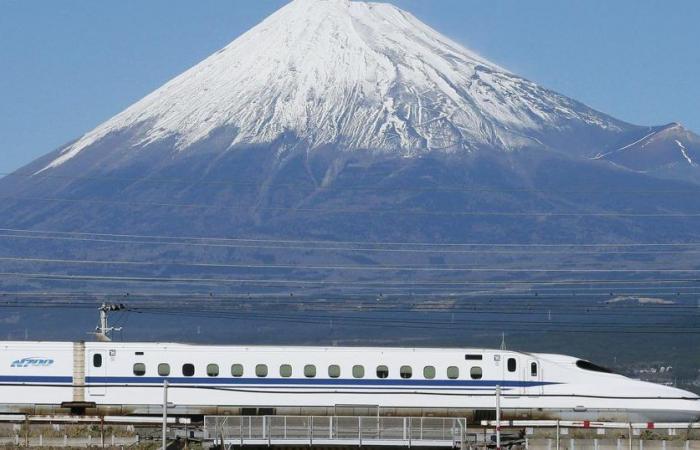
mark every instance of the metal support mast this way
{"type": "Point", "coordinates": [165, 414]}
{"type": "Point", "coordinates": [103, 330]}
{"type": "Point", "coordinates": [498, 417]}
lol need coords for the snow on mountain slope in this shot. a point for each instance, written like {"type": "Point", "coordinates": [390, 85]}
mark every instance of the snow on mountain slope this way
{"type": "Point", "coordinates": [659, 149]}
{"type": "Point", "coordinates": [353, 74]}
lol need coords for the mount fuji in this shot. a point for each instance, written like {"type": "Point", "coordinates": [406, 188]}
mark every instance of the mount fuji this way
{"type": "Point", "coordinates": [337, 119]}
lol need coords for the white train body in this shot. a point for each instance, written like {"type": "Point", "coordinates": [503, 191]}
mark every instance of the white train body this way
{"type": "Point", "coordinates": [128, 378]}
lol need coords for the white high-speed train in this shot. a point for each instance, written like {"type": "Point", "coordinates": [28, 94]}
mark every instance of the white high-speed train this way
{"type": "Point", "coordinates": [128, 378]}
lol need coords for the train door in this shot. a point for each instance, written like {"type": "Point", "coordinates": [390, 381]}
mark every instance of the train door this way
{"type": "Point", "coordinates": [96, 373]}
{"type": "Point", "coordinates": [510, 374]}
{"type": "Point", "coordinates": [532, 373]}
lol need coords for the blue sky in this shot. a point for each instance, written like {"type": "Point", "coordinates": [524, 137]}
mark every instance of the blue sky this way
{"type": "Point", "coordinates": [66, 66]}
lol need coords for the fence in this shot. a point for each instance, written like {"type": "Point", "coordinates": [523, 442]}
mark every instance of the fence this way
{"type": "Point", "coordinates": [587, 435]}
{"type": "Point", "coordinates": [335, 430]}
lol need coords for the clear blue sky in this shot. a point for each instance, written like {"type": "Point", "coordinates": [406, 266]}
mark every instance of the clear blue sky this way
{"type": "Point", "coordinates": [66, 66]}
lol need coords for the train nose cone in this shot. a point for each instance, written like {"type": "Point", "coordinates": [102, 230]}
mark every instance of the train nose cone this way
{"type": "Point", "coordinates": [663, 391]}
{"type": "Point", "coordinates": [669, 404]}
{"type": "Point", "coordinates": [689, 403]}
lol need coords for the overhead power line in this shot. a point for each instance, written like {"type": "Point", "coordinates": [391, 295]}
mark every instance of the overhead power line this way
{"type": "Point", "coordinates": [278, 281]}
{"type": "Point", "coordinates": [582, 313]}
{"type": "Point", "coordinates": [528, 245]}
{"type": "Point", "coordinates": [183, 243]}
{"type": "Point", "coordinates": [565, 325]}
{"type": "Point", "coordinates": [457, 188]}
{"type": "Point", "coordinates": [428, 301]}
{"type": "Point", "coordinates": [520, 299]}
{"type": "Point", "coordinates": [330, 267]}
{"type": "Point", "coordinates": [522, 326]}
{"type": "Point", "coordinates": [360, 211]}
{"type": "Point", "coordinates": [640, 317]}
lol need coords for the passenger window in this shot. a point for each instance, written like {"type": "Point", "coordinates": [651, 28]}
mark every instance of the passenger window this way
{"type": "Point", "coordinates": [261, 370]}
{"type": "Point", "coordinates": [428, 372]}
{"type": "Point", "coordinates": [533, 369]}
{"type": "Point", "coordinates": [285, 371]}
{"type": "Point", "coordinates": [97, 360]}
{"type": "Point", "coordinates": [139, 369]}
{"type": "Point", "coordinates": [309, 371]}
{"type": "Point", "coordinates": [406, 372]}
{"type": "Point", "coordinates": [453, 372]}
{"type": "Point", "coordinates": [512, 365]}
{"type": "Point", "coordinates": [212, 370]}
{"type": "Point", "coordinates": [358, 371]}
{"type": "Point", "coordinates": [163, 369]}
{"type": "Point", "coordinates": [237, 370]}
{"type": "Point", "coordinates": [382, 372]}
{"type": "Point", "coordinates": [188, 370]}
{"type": "Point", "coordinates": [476, 373]}
{"type": "Point", "coordinates": [334, 371]}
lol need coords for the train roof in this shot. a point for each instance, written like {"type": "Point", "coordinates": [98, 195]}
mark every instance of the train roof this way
{"type": "Point", "coordinates": [257, 347]}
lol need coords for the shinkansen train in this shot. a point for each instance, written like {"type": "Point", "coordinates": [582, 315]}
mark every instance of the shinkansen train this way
{"type": "Point", "coordinates": [129, 378]}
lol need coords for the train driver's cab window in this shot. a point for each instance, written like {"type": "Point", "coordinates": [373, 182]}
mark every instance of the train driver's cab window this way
{"type": "Point", "coordinates": [188, 370]}
{"type": "Point", "coordinates": [139, 369]}
{"type": "Point", "coordinates": [309, 371]}
{"type": "Point", "coordinates": [97, 360]}
{"type": "Point", "coordinates": [476, 373]}
{"type": "Point", "coordinates": [285, 370]}
{"type": "Point", "coordinates": [358, 371]}
{"type": "Point", "coordinates": [406, 372]}
{"type": "Point", "coordinates": [512, 365]}
{"type": "Point", "coordinates": [429, 372]}
{"type": "Point", "coordinates": [163, 369]}
{"type": "Point", "coordinates": [587, 365]}
{"type": "Point", "coordinates": [261, 370]}
{"type": "Point", "coordinates": [453, 372]}
{"type": "Point", "coordinates": [237, 370]}
{"type": "Point", "coordinates": [533, 369]}
{"type": "Point", "coordinates": [212, 370]}
{"type": "Point", "coordinates": [334, 371]}
{"type": "Point", "coordinates": [382, 372]}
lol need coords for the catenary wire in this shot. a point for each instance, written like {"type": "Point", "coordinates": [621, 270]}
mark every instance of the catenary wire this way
{"type": "Point", "coordinates": [331, 267]}
{"type": "Point", "coordinates": [340, 242]}
{"type": "Point", "coordinates": [289, 247]}
{"type": "Point", "coordinates": [360, 211]}
{"type": "Point", "coordinates": [311, 281]}
{"type": "Point", "coordinates": [463, 188]}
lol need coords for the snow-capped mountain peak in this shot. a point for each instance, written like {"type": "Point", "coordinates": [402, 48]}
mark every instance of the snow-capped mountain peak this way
{"type": "Point", "coordinates": [353, 74]}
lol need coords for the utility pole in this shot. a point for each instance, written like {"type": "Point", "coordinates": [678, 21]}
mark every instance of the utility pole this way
{"type": "Point", "coordinates": [165, 413]}
{"type": "Point", "coordinates": [103, 330]}
{"type": "Point", "coordinates": [498, 417]}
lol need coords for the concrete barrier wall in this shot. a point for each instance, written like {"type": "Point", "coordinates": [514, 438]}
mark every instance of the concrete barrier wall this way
{"type": "Point", "coordinates": [567, 443]}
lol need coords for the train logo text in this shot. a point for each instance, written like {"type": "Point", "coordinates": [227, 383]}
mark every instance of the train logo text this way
{"type": "Point", "coordinates": [32, 362]}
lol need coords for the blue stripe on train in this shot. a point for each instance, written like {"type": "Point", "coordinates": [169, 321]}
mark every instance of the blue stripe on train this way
{"type": "Point", "coordinates": [34, 379]}
{"type": "Point", "coordinates": [301, 382]}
